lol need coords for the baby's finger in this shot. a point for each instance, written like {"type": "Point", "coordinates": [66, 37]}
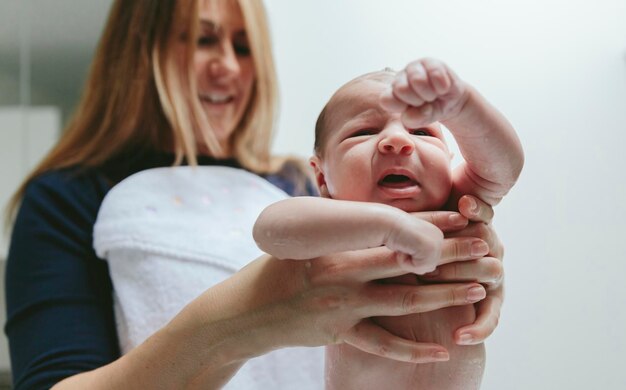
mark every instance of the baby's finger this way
{"type": "Point", "coordinates": [390, 103]}
{"type": "Point", "coordinates": [373, 339]}
{"type": "Point", "coordinates": [414, 117]}
{"type": "Point", "coordinates": [419, 80]}
{"type": "Point", "coordinates": [487, 318]}
{"type": "Point", "coordinates": [438, 74]}
{"type": "Point", "coordinates": [462, 248]}
{"type": "Point", "coordinates": [403, 91]}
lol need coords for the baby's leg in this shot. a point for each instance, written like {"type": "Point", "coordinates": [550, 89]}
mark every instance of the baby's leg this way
{"type": "Point", "coordinates": [350, 368]}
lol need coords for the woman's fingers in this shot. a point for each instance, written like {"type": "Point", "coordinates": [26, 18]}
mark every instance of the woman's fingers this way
{"type": "Point", "coordinates": [381, 263]}
{"type": "Point", "coordinates": [475, 209]}
{"type": "Point", "coordinates": [462, 248]}
{"type": "Point", "coordinates": [398, 299]}
{"type": "Point", "coordinates": [355, 266]}
{"type": "Point", "coordinates": [446, 221]}
{"type": "Point", "coordinates": [373, 339]}
{"type": "Point", "coordinates": [359, 266]}
{"type": "Point", "coordinates": [487, 317]}
{"type": "Point", "coordinates": [485, 232]}
{"type": "Point", "coordinates": [486, 270]}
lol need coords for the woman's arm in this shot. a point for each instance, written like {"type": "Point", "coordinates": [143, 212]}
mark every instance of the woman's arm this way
{"type": "Point", "coordinates": [273, 304]}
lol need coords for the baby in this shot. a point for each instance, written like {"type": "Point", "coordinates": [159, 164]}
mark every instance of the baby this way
{"type": "Point", "coordinates": [379, 155]}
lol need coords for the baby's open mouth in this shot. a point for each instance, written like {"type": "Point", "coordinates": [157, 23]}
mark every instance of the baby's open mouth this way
{"type": "Point", "coordinates": [397, 181]}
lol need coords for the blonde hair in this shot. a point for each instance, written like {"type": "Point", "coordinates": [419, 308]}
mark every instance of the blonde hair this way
{"type": "Point", "coordinates": [135, 96]}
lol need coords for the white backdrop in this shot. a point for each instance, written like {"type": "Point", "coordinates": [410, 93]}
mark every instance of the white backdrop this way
{"type": "Point", "coordinates": [557, 69]}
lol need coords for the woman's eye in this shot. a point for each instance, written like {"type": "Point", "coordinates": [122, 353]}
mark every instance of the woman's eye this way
{"type": "Point", "coordinates": [241, 44]}
{"type": "Point", "coordinates": [420, 132]}
{"type": "Point", "coordinates": [207, 40]}
{"type": "Point", "coordinates": [242, 49]}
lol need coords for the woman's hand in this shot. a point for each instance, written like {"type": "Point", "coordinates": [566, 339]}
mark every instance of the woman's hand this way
{"type": "Point", "coordinates": [272, 304]}
{"type": "Point", "coordinates": [330, 299]}
{"type": "Point", "coordinates": [487, 270]}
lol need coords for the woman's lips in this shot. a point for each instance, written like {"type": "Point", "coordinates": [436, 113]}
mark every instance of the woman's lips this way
{"type": "Point", "coordinates": [217, 98]}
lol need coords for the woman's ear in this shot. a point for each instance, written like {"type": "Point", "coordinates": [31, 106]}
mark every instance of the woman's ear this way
{"type": "Point", "coordinates": [320, 179]}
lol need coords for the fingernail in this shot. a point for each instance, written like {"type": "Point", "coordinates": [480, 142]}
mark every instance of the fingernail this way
{"type": "Point", "coordinates": [466, 339]}
{"type": "Point", "coordinates": [475, 294]}
{"type": "Point", "coordinates": [441, 356]}
{"type": "Point", "coordinates": [457, 220]}
{"type": "Point", "coordinates": [473, 206]}
{"type": "Point", "coordinates": [479, 248]}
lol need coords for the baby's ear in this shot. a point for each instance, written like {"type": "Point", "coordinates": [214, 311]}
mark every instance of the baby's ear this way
{"type": "Point", "coordinates": [320, 179]}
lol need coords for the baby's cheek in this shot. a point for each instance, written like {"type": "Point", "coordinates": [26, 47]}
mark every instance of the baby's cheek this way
{"type": "Point", "coordinates": [441, 184]}
{"type": "Point", "coordinates": [352, 186]}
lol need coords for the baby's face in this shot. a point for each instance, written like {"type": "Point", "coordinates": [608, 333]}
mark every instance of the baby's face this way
{"type": "Point", "coordinates": [368, 155]}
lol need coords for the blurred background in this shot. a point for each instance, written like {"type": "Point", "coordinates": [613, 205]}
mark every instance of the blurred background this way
{"type": "Point", "coordinates": [556, 68]}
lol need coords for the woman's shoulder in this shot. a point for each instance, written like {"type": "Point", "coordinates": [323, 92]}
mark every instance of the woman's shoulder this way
{"type": "Point", "coordinates": [67, 199]}
{"type": "Point", "coordinates": [56, 216]}
{"type": "Point", "coordinates": [68, 185]}
{"type": "Point", "coordinates": [294, 177]}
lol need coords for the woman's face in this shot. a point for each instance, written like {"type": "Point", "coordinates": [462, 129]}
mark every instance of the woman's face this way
{"type": "Point", "coordinates": [224, 67]}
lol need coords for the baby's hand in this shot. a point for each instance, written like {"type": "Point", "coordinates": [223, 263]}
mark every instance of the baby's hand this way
{"type": "Point", "coordinates": [417, 244]}
{"type": "Point", "coordinates": [420, 246]}
{"type": "Point", "coordinates": [425, 91]}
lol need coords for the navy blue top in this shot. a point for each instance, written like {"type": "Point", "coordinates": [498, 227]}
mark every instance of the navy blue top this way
{"type": "Point", "coordinates": [59, 301]}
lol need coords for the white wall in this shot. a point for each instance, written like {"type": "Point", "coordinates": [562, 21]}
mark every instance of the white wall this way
{"type": "Point", "coordinates": [557, 69]}
{"type": "Point", "coordinates": [26, 134]}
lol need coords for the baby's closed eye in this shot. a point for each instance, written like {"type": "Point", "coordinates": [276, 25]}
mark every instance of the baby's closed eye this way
{"type": "Point", "coordinates": [363, 132]}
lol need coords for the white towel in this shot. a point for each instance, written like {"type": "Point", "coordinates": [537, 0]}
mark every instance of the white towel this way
{"type": "Point", "coordinates": [168, 234]}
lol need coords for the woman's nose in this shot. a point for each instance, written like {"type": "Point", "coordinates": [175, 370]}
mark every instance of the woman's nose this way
{"type": "Point", "coordinates": [396, 141]}
{"type": "Point", "coordinates": [226, 62]}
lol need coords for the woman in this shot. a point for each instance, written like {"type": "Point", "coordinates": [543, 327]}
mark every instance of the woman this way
{"type": "Point", "coordinates": [190, 82]}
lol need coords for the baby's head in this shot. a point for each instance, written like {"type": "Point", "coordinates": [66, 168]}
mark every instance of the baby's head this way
{"type": "Point", "coordinates": [364, 153]}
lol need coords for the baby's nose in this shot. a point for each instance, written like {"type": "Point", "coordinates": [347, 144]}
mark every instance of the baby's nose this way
{"type": "Point", "coordinates": [396, 142]}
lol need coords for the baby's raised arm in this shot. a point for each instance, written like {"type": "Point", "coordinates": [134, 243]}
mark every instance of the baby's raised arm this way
{"type": "Point", "coordinates": [308, 227]}
{"type": "Point", "coordinates": [428, 91]}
